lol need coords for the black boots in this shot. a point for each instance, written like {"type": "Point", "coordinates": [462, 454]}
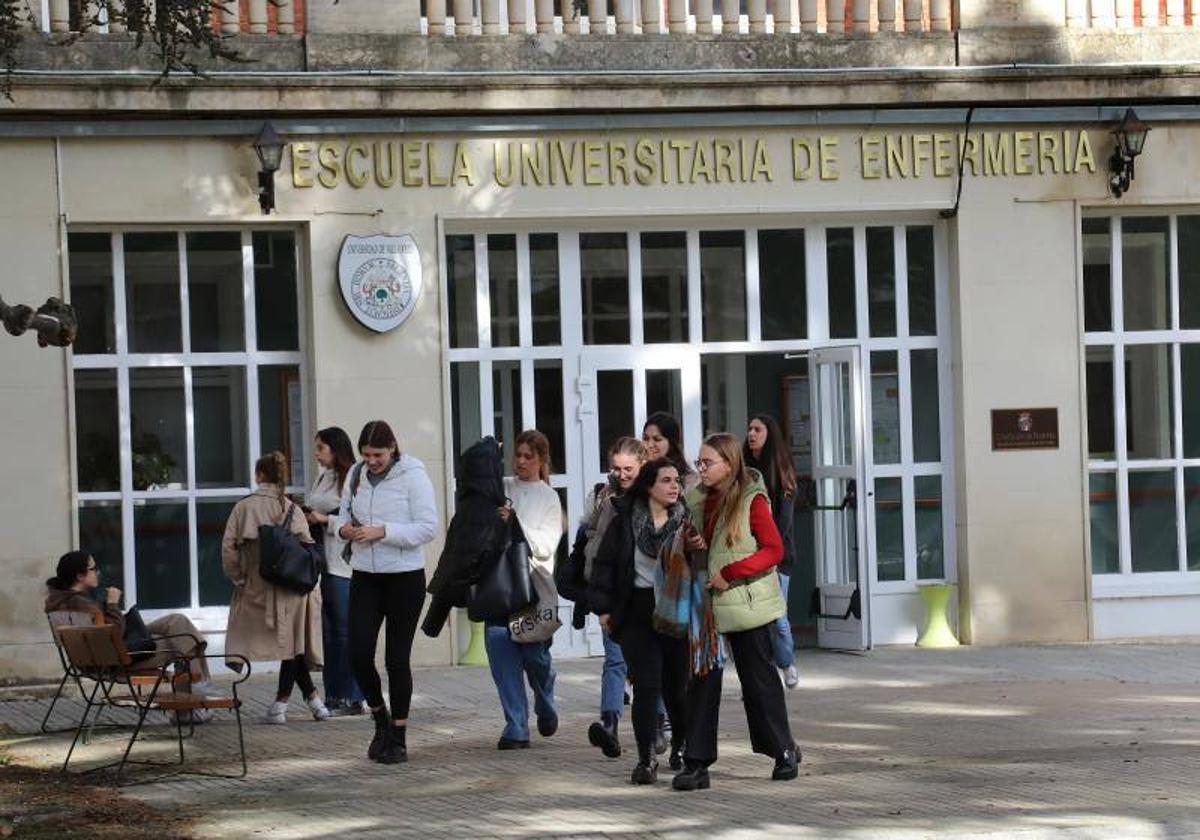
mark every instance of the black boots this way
{"type": "Point", "coordinates": [787, 766]}
{"type": "Point", "coordinates": [646, 771]}
{"type": "Point", "coordinates": [693, 777]}
{"type": "Point", "coordinates": [603, 734]}
{"type": "Point", "coordinates": [676, 760]}
{"type": "Point", "coordinates": [389, 744]}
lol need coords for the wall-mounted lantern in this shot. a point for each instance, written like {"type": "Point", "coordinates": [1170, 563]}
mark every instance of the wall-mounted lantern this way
{"type": "Point", "coordinates": [1130, 138]}
{"type": "Point", "coordinates": [269, 148]}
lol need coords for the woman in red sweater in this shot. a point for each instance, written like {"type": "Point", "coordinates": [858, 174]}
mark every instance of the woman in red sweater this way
{"type": "Point", "coordinates": [733, 526]}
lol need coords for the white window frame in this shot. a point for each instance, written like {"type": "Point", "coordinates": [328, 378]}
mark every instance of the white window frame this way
{"type": "Point", "coordinates": [209, 618]}
{"type": "Point", "coordinates": [1126, 583]}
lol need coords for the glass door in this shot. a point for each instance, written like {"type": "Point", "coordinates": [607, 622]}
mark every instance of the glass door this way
{"type": "Point", "coordinates": [838, 473]}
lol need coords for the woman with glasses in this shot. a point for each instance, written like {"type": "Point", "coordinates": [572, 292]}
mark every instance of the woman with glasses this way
{"type": "Point", "coordinates": [732, 523]}
{"type": "Point", "coordinates": [175, 637]}
{"type": "Point", "coordinates": [766, 450]}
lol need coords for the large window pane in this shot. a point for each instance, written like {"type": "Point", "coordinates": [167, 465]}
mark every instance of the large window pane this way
{"type": "Point", "coordinates": [1101, 419]}
{"type": "Point", "coordinates": [159, 432]}
{"type": "Point", "coordinates": [723, 284]}
{"type": "Point", "coordinates": [219, 407]}
{"type": "Point", "coordinates": [1189, 272]}
{"type": "Point", "coordinates": [548, 396]}
{"type": "Point", "coordinates": [96, 435]}
{"type": "Point", "coordinates": [724, 392]}
{"type": "Point", "coordinates": [281, 417]}
{"type": "Point", "coordinates": [465, 422]}
{"type": "Point", "coordinates": [614, 400]}
{"type": "Point", "coordinates": [885, 406]}
{"type": "Point", "coordinates": [211, 515]}
{"type": "Point", "coordinates": [922, 281]}
{"type": "Point", "coordinates": [460, 291]}
{"type": "Point", "coordinates": [889, 529]}
{"type": "Point", "coordinates": [1097, 275]}
{"type": "Point", "coordinates": [90, 261]}
{"type": "Point", "coordinates": [1102, 514]}
{"type": "Point", "coordinates": [1152, 535]}
{"type": "Point", "coordinates": [881, 281]}
{"type": "Point", "coordinates": [1191, 506]}
{"type": "Point", "coordinates": [926, 431]}
{"type": "Point", "coordinates": [1149, 398]}
{"type": "Point", "coordinates": [543, 289]}
{"type": "Point", "coordinates": [930, 560]}
{"type": "Point", "coordinates": [604, 276]}
{"type": "Point", "coordinates": [507, 418]}
{"type": "Point", "coordinates": [664, 392]}
{"type": "Point", "coordinates": [782, 294]}
{"type": "Point", "coordinates": [216, 292]}
{"type": "Point", "coordinates": [1145, 277]}
{"type": "Point", "coordinates": [276, 310]}
{"type": "Point", "coordinates": [152, 292]}
{"type": "Point", "coordinates": [100, 535]}
{"type": "Point", "coordinates": [839, 262]}
{"type": "Point", "coordinates": [664, 287]}
{"type": "Point", "coordinates": [1190, 368]}
{"type": "Point", "coordinates": [502, 289]}
{"type": "Point", "coordinates": [160, 539]}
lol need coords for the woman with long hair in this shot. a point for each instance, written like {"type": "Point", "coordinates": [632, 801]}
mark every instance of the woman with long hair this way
{"type": "Point", "coordinates": [731, 523]}
{"type": "Point", "coordinates": [766, 450]}
{"type": "Point", "coordinates": [268, 622]}
{"type": "Point", "coordinates": [663, 437]}
{"type": "Point", "coordinates": [538, 510]}
{"type": "Point", "coordinates": [335, 456]}
{"type": "Point", "coordinates": [625, 459]}
{"type": "Point", "coordinates": [621, 591]}
{"type": "Point", "coordinates": [387, 516]}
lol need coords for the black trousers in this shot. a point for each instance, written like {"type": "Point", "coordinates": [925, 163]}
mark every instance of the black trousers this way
{"type": "Point", "coordinates": [762, 696]}
{"type": "Point", "coordinates": [295, 672]}
{"type": "Point", "coordinates": [396, 598]}
{"type": "Point", "coordinates": [658, 665]}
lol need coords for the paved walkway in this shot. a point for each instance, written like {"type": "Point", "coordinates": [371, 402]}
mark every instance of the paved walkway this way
{"type": "Point", "coordinates": [1076, 742]}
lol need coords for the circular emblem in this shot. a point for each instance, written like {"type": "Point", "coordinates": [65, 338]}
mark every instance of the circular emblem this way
{"type": "Point", "coordinates": [381, 288]}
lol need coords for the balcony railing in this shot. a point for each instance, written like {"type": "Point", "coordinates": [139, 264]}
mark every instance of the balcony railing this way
{"type": "Point", "coordinates": [255, 17]}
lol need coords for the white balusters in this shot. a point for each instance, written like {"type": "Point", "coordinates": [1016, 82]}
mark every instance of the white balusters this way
{"type": "Point", "coordinates": [230, 17]}
{"type": "Point", "coordinates": [939, 15]}
{"type": "Point", "coordinates": [1150, 17]}
{"type": "Point", "coordinates": [435, 13]}
{"type": "Point", "coordinates": [730, 16]}
{"type": "Point", "coordinates": [625, 15]}
{"type": "Point", "coordinates": [835, 16]}
{"type": "Point", "coordinates": [677, 15]}
{"type": "Point", "coordinates": [516, 17]}
{"type": "Point", "coordinates": [1125, 14]}
{"type": "Point", "coordinates": [704, 16]}
{"type": "Point", "coordinates": [1077, 14]}
{"type": "Point", "coordinates": [1194, 5]}
{"type": "Point", "coordinates": [782, 12]}
{"type": "Point", "coordinates": [862, 15]}
{"type": "Point", "coordinates": [543, 11]}
{"type": "Point", "coordinates": [60, 16]}
{"type": "Point", "coordinates": [258, 17]}
{"type": "Point", "coordinates": [597, 17]}
{"type": "Point", "coordinates": [808, 15]}
{"type": "Point", "coordinates": [114, 12]}
{"type": "Point", "coordinates": [913, 16]}
{"type": "Point", "coordinates": [887, 15]}
{"type": "Point", "coordinates": [1174, 12]}
{"type": "Point", "coordinates": [651, 11]}
{"type": "Point", "coordinates": [1104, 14]}
{"type": "Point", "coordinates": [489, 16]}
{"type": "Point", "coordinates": [285, 17]}
{"type": "Point", "coordinates": [463, 13]}
{"type": "Point", "coordinates": [757, 14]}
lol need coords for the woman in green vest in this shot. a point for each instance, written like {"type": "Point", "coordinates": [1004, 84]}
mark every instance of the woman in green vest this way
{"type": "Point", "coordinates": [732, 522]}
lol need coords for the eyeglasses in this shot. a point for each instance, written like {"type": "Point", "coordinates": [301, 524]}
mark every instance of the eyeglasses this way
{"type": "Point", "coordinates": [702, 464]}
{"type": "Point", "coordinates": [93, 568]}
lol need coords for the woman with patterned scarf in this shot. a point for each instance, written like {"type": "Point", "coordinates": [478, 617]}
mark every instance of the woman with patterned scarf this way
{"type": "Point", "coordinates": [621, 591]}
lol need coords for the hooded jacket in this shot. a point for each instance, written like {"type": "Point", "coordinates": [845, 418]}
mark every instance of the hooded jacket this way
{"type": "Point", "coordinates": [402, 504]}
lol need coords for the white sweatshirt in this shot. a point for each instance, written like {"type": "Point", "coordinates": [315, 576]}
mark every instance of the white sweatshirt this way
{"type": "Point", "coordinates": [538, 510]}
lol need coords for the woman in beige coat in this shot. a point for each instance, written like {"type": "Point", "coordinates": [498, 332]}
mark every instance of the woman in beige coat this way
{"type": "Point", "coordinates": [268, 623]}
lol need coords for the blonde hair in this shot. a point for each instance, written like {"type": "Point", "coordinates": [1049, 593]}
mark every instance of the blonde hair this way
{"type": "Point", "coordinates": [733, 487]}
{"type": "Point", "coordinates": [630, 446]}
{"type": "Point", "coordinates": [540, 445]}
{"type": "Point", "coordinates": [273, 467]}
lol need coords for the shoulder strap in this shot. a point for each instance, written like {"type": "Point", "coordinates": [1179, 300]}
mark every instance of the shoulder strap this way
{"type": "Point", "coordinates": [356, 479]}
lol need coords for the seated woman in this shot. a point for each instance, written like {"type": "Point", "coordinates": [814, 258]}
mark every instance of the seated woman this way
{"type": "Point", "coordinates": [70, 590]}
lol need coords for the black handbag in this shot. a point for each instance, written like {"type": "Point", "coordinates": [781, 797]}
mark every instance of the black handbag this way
{"type": "Point", "coordinates": [285, 561]}
{"type": "Point", "coordinates": [505, 586]}
{"type": "Point", "coordinates": [138, 641]}
{"type": "Point", "coordinates": [568, 567]}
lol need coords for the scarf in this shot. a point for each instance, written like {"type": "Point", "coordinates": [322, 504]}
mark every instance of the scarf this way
{"type": "Point", "coordinates": [683, 606]}
{"type": "Point", "coordinates": [649, 539]}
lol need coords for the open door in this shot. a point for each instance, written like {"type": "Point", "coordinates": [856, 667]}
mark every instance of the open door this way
{"type": "Point", "coordinates": [840, 599]}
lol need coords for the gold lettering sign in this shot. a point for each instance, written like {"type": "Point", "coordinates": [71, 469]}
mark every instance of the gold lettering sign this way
{"type": "Point", "coordinates": [701, 160]}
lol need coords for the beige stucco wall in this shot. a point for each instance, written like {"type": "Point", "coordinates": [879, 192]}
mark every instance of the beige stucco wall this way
{"type": "Point", "coordinates": [1021, 516]}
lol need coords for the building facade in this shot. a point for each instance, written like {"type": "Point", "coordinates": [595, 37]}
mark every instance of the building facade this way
{"type": "Point", "coordinates": [895, 233]}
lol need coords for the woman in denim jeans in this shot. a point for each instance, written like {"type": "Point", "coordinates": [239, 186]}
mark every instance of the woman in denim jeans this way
{"type": "Point", "coordinates": [335, 456]}
{"type": "Point", "coordinates": [539, 512]}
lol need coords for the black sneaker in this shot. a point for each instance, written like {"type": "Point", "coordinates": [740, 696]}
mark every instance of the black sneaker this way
{"type": "Point", "coordinates": [603, 734]}
{"type": "Point", "coordinates": [511, 744]}
{"type": "Point", "coordinates": [787, 766]}
{"type": "Point", "coordinates": [645, 773]}
{"type": "Point", "coordinates": [676, 760]}
{"type": "Point", "coordinates": [344, 708]}
{"type": "Point", "coordinates": [662, 736]}
{"type": "Point", "coordinates": [547, 726]}
{"type": "Point", "coordinates": [693, 777]}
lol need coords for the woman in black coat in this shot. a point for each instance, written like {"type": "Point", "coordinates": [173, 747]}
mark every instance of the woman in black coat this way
{"type": "Point", "coordinates": [621, 593]}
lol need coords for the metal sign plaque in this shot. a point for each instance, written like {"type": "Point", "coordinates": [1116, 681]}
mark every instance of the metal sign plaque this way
{"type": "Point", "coordinates": [380, 279]}
{"type": "Point", "coordinates": [1024, 428]}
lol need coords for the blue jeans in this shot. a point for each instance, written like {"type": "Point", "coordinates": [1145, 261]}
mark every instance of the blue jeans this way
{"type": "Point", "coordinates": [335, 630]}
{"type": "Point", "coordinates": [510, 661]}
{"type": "Point", "coordinates": [782, 646]}
{"type": "Point", "coordinates": [612, 678]}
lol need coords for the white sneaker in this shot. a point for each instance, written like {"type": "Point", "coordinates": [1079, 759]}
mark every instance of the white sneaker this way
{"type": "Point", "coordinates": [277, 713]}
{"type": "Point", "coordinates": [791, 678]}
{"type": "Point", "coordinates": [317, 707]}
{"type": "Point", "coordinates": [194, 716]}
{"type": "Point", "coordinates": [207, 689]}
